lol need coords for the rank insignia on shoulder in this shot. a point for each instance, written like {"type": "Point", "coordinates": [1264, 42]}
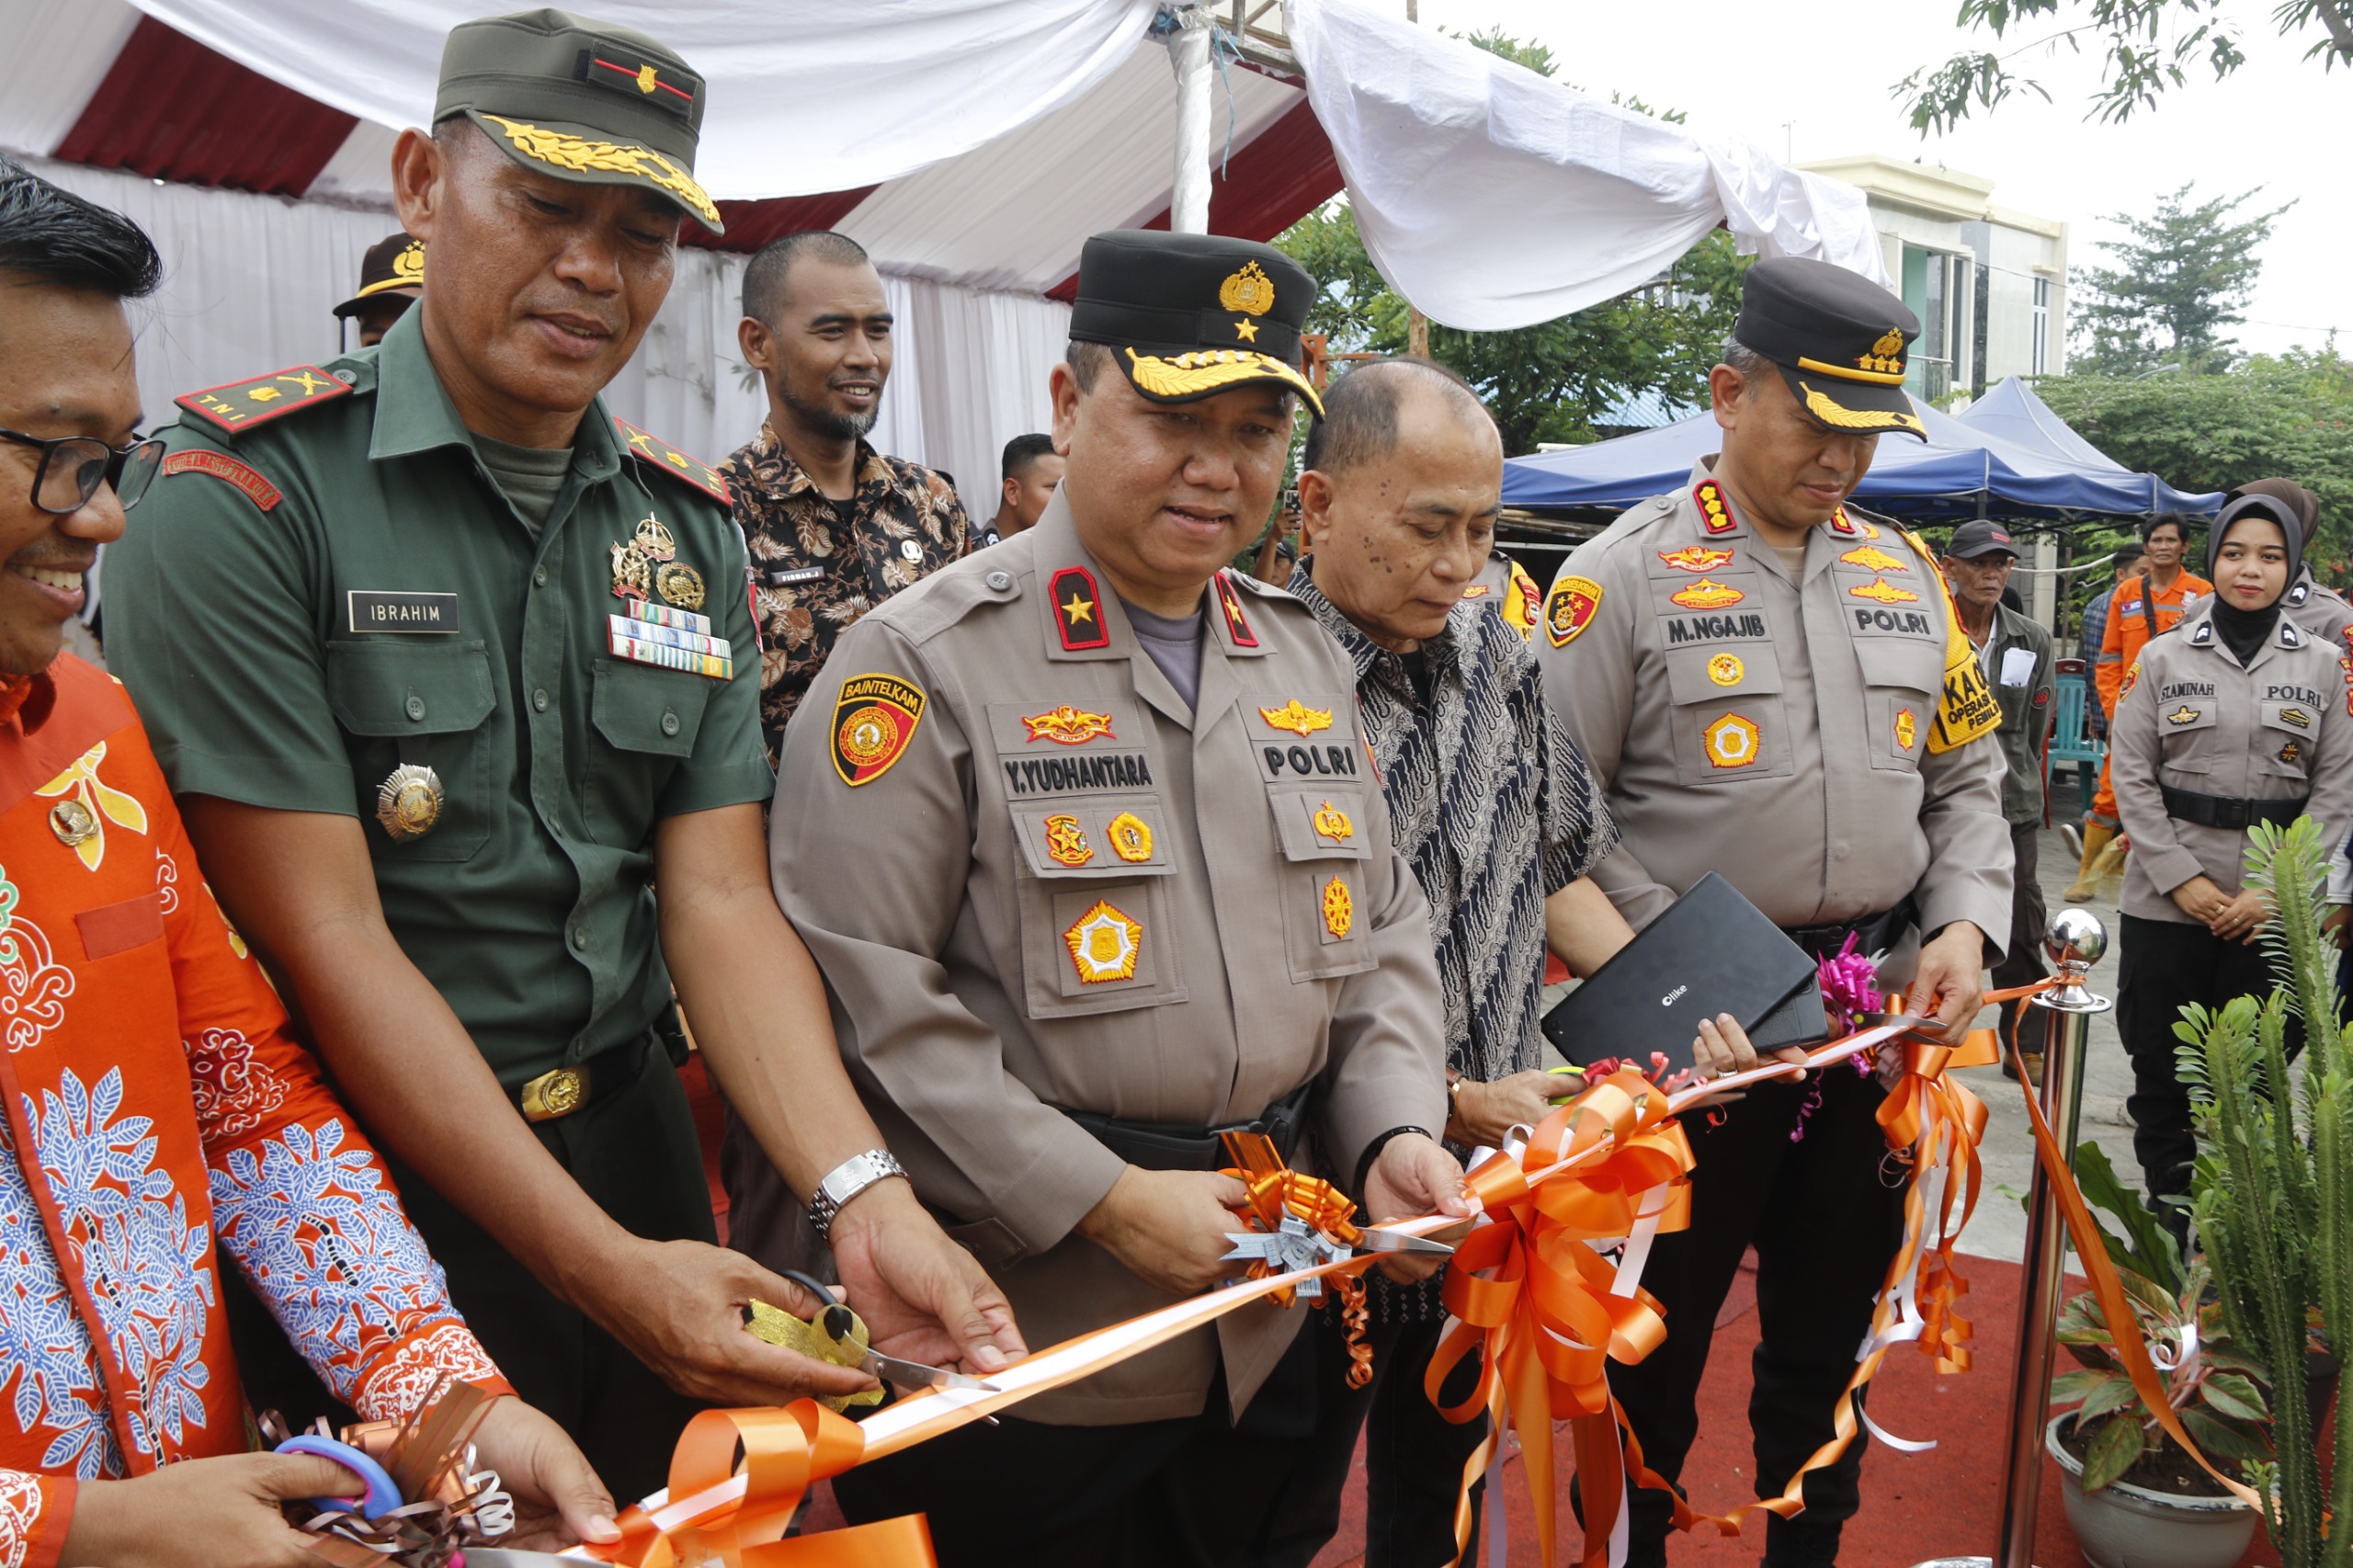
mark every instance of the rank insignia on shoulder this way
{"type": "Point", "coordinates": [1883, 593]}
{"type": "Point", "coordinates": [1715, 512]}
{"type": "Point", "coordinates": [1237, 625]}
{"type": "Point", "coordinates": [659, 454]}
{"type": "Point", "coordinates": [1104, 944]}
{"type": "Point", "coordinates": [1078, 610]}
{"type": "Point", "coordinates": [1066, 725]}
{"type": "Point", "coordinates": [1696, 558]}
{"type": "Point", "coordinates": [1570, 609]}
{"type": "Point", "coordinates": [1298, 718]}
{"type": "Point", "coordinates": [237, 405]}
{"type": "Point", "coordinates": [1707, 594]}
{"type": "Point", "coordinates": [874, 720]}
{"type": "Point", "coordinates": [1871, 557]}
{"type": "Point", "coordinates": [222, 467]}
{"type": "Point", "coordinates": [1845, 527]}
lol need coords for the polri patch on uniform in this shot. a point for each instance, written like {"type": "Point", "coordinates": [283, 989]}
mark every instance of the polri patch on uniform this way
{"type": "Point", "coordinates": [874, 720]}
{"type": "Point", "coordinates": [1237, 625]}
{"type": "Point", "coordinates": [1574, 601]}
{"type": "Point", "coordinates": [237, 405]}
{"type": "Point", "coordinates": [1078, 610]}
{"type": "Point", "coordinates": [222, 466]}
{"type": "Point", "coordinates": [386, 609]}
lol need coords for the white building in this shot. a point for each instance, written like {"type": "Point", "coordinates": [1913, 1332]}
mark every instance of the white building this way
{"type": "Point", "coordinates": [1988, 284]}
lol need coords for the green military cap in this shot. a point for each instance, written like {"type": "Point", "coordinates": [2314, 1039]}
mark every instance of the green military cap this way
{"type": "Point", "coordinates": [581, 100]}
{"type": "Point", "coordinates": [1190, 315]}
{"type": "Point", "coordinates": [393, 265]}
{"type": "Point", "coordinates": [1839, 338]}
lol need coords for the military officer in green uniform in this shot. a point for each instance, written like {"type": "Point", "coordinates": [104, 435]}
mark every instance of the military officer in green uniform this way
{"type": "Point", "coordinates": [450, 670]}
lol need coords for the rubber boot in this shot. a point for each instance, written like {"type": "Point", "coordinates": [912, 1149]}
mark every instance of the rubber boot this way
{"type": "Point", "coordinates": [2086, 884]}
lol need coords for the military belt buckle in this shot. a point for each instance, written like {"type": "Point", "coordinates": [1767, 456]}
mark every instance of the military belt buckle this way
{"type": "Point", "coordinates": [552, 1094]}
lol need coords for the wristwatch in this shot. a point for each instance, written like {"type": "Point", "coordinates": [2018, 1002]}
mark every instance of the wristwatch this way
{"type": "Point", "coordinates": [845, 1182]}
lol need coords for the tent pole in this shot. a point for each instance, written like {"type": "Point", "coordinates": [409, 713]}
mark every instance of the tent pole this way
{"type": "Point", "coordinates": [1188, 51]}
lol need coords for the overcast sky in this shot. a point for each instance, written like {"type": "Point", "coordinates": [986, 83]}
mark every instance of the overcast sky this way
{"type": "Point", "coordinates": [1813, 78]}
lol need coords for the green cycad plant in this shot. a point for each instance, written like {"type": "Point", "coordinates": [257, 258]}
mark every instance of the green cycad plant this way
{"type": "Point", "coordinates": [2272, 1189]}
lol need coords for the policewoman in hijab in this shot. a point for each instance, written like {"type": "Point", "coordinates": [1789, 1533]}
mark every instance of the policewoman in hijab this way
{"type": "Point", "coordinates": [2235, 716]}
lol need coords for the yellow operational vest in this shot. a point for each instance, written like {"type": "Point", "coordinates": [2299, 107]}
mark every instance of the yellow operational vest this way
{"type": "Point", "coordinates": [1968, 708]}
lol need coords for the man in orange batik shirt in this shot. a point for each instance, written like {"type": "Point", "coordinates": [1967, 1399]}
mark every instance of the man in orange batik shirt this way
{"type": "Point", "coordinates": [154, 1114]}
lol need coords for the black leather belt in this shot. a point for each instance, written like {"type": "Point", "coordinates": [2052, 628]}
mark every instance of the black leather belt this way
{"type": "Point", "coordinates": [2229, 811]}
{"type": "Point", "coordinates": [574, 1088]}
{"type": "Point", "coordinates": [1875, 933]}
{"type": "Point", "coordinates": [1172, 1146]}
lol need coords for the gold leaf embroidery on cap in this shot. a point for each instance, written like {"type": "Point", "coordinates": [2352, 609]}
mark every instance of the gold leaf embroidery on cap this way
{"type": "Point", "coordinates": [582, 156]}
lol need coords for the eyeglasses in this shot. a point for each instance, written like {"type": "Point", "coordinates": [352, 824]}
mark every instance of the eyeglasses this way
{"type": "Point", "coordinates": [72, 467]}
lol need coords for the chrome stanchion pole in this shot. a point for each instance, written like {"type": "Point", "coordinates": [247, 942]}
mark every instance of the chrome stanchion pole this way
{"type": "Point", "coordinates": [2075, 940]}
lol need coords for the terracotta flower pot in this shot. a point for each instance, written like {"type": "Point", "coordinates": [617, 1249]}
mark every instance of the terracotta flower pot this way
{"type": "Point", "coordinates": [2124, 1526]}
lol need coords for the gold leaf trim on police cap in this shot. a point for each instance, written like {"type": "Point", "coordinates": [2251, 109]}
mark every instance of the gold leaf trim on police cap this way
{"type": "Point", "coordinates": [563, 151]}
{"type": "Point", "coordinates": [1199, 374]}
{"type": "Point", "coordinates": [1832, 415]}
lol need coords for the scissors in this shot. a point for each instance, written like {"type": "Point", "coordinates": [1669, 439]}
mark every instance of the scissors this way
{"type": "Point", "coordinates": [836, 1322]}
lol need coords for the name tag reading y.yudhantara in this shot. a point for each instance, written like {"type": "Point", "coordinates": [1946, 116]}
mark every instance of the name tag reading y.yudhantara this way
{"type": "Point", "coordinates": [371, 609]}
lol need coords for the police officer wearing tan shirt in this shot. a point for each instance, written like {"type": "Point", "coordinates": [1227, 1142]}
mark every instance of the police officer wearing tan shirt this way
{"type": "Point", "coordinates": [1083, 832]}
{"type": "Point", "coordinates": [2237, 715]}
{"type": "Point", "coordinates": [1773, 687]}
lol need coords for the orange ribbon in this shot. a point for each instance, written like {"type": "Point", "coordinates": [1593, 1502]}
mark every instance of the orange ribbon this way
{"type": "Point", "coordinates": [1548, 1311]}
{"type": "Point", "coordinates": [785, 1453]}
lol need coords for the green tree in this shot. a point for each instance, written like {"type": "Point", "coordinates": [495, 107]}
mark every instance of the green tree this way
{"type": "Point", "coordinates": [2291, 415]}
{"type": "Point", "coordinates": [1549, 381]}
{"type": "Point", "coordinates": [2149, 47]}
{"type": "Point", "coordinates": [2184, 275]}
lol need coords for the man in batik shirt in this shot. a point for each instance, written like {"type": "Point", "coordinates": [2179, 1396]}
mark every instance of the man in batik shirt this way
{"type": "Point", "coordinates": [835, 527]}
{"type": "Point", "coordinates": [1489, 801]}
{"type": "Point", "coordinates": [154, 1114]}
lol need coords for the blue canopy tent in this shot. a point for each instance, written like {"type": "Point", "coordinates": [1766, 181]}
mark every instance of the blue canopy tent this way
{"type": "Point", "coordinates": [2017, 467]}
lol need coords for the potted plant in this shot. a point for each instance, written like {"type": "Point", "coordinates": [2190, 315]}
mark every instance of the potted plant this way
{"type": "Point", "coordinates": [2135, 1500]}
{"type": "Point", "coordinates": [2272, 1192]}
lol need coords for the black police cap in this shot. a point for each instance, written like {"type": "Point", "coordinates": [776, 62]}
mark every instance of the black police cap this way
{"type": "Point", "coordinates": [1840, 340]}
{"type": "Point", "coordinates": [1188, 316]}
{"type": "Point", "coordinates": [393, 265]}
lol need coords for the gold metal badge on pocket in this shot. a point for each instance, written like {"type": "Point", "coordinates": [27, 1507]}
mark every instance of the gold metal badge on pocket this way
{"type": "Point", "coordinates": [1339, 908]}
{"type": "Point", "coordinates": [1131, 838]}
{"type": "Point", "coordinates": [409, 802]}
{"type": "Point", "coordinates": [1104, 944]}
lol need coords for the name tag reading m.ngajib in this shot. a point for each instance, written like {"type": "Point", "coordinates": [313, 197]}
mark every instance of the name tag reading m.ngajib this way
{"type": "Point", "coordinates": [383, 610]}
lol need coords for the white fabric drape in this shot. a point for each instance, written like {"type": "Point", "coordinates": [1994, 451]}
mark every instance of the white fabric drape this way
{"type": "Point", "coordinates": [806, 96]}
{"type": "Point", "coordinates": [250, 283]}
{"type": "Point", "coordinates": [1494, 198]}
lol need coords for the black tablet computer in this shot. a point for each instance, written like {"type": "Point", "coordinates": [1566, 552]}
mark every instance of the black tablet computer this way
{"type": "Point", "coordinates": [1712, 953]}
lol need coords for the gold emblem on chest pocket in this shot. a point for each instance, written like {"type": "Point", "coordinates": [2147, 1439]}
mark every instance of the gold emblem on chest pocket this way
{"type": "Point", "coordinates": [1066, 842]}
{"type": "Point", "coordinates": [1131, 838]}
{"type": "Point", "coordinates": [1332, 822]}
{"type": "Point", "coordinates": [1339, 909]}
{"type": "Point", "coordinates": [1104, 944]}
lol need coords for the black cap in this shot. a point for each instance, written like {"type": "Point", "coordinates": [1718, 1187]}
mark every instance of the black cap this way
{"type": "Point", "coordinates": [393, 265]}
{"type": "Point", "coordinates": [1839, 338]}
{"type": "Point", "coordinates": [1973, 539]}
{"type": "Point", "coordinates": [1188, 316]}
{"type": "Point", "coordinates": [581, 100]}
{"type": "Point", "coordinates": [2302, 502]}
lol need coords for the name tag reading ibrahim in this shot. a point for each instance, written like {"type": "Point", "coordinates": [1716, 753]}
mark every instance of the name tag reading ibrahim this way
{"type": "Point", "coordinates": [377, 611]}
{"type": "Point", "coordinates": [672, 638]}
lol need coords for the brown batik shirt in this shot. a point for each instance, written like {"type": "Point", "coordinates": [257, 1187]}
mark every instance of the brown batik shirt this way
{"type": "Point", "coordinates": [813, 575]}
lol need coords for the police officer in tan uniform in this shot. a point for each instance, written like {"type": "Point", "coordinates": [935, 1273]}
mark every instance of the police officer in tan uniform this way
{"type": "Point", "coordinates": [1773, 686]}
{"type": "Point", "coordinates": [2309, 602]}
{"type": "Point", "coordinates": [2237, 715]}
{"type": "Point", "coordinates": [1083, 832]}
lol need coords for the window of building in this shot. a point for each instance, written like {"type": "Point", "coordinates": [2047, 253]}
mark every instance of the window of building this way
{"type": "Point", "coordinates": [2042, 325]}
